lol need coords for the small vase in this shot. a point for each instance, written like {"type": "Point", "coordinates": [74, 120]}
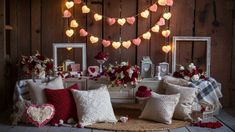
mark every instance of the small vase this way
{"type": "Point", "coordinates": [101, 62]}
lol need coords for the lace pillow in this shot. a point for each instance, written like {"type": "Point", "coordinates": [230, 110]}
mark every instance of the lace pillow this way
{"type": "Point", "coordinates": [36, 89]}
{"type": "Point", "coordinates": [187, 96]}
{"type": "Point", "coordinates": [94, 106]}
{"type": "Point", "coordinates": [160, 108]}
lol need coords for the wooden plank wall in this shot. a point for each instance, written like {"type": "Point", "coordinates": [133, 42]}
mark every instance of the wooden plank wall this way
{"type": "Point", "coordinates": [39, 23]}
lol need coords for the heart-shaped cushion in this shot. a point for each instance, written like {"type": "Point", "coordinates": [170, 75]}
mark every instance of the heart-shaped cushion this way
{"type": "Point", "coordinates": [39, 115]}
{"type": "Point", "coordinates": [93, 70]}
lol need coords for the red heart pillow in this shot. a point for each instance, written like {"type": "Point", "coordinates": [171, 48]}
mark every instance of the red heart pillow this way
{"type": "Point", "coordinates": [39, 115]}
{"type": "Point", "coordinates": [64, 104]}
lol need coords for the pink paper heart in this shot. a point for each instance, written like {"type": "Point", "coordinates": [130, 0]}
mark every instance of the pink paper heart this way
{"type": "Point", "coordinates": [153, 8]}
{"type": "Point", "coordinates": [67, 14]}
{"type": "Point", "coordinates": [77, 1]}
{"type": "Point", "coordinates": [130, 20]}
{"type": "Point", "coordinates": [161, 22]}
{"type": "Point", "coordinates": [169, 2]}
{"type": "Point", "coordinates": [39, 115]}
{"type": "Point", "coordinates": [111, 21]}
{"type": "Point", "coordinates": [83, 32]}
{"type": "Point", "coordinates": [136, 41]}
{"type": "Point", "coordinates": [106, 43]}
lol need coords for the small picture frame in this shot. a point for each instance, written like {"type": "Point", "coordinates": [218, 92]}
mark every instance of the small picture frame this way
{"type": "Point", "coordinates": [147, 67]}
{"type": "Point", "coordinates": [164, 69]}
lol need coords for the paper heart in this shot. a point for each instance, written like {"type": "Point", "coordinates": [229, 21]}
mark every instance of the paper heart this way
{"type": "Point", "coordinates": [39, 115]}
{"type": "Point", "coordinates": [116, 45]}
{"type": "Point", "coordinates": [162, 2]}
{"type": "Point", "coordinates": [111, 21]}
{"type": "Point", "coordinates": [145, 14]}
{"type": "Point", "coordinates": [136, 41]}
{"type": "Point", "coordinates": [106, 43]}
{"type": "Point", "coordinates": [169, 2]}
{"type": "Point", "coordinates": [161, 22]}
{"type": "Point", "coordinates": [67, 14]}
{"type": "Point", "coordinates": [97, 17]}
{"type": "Point", "coordinates": [166, 33]}
{"type": "Point", "coordinates": [155, 28]}
{"type": "Point", "coordinates": [167, 15]}
{"type": "Point", "coordinates": [69, 48]}
{"type": "Point", "coordinates": [93, 70]}
{"type": "Point", "coordinates": [146, 35]}
{"type": "Point", "coordinates": [94, 39]}
{"type": "Point", "coordinates": [126, 44]}
{"type": "Point", "coordinates": [130, 20]}
{"type": "Point", "coordinates": [85, 9]}
{"type": "Point", "coordinates": [83, 32]}
{"type": "Point", "coordinates": [73, 24]}
{"type": "Point", "coordinates": [69, 4]}
{"type": "Point", "coordinates": [121, 21]}
{"type": "Point", "coordinates": [153, 8]}
{"type": "Point", "coordinates": [69, 32]}
{"type": "Point", "coordinates": [166, 48]}
{"type": "Point", "coordinates": [77, 1]}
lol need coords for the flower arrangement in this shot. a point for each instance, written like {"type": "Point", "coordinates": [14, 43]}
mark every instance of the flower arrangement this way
{"type": "Point", "coordinates": [191, 73]}
{"type": "Point", "coordinates": [36, 65]}
{"type": "Point", "coordinates": [123, 74]}
{"type": "Point", "coordinates": [101, 56]}
{"type": "Point", "coordinates": [143, 92]}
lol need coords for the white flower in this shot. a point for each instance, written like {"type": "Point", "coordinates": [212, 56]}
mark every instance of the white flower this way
{"type": "Point", "coordinates": [181, 68]}
{"type": "Point", "coordinates": [130, 72]}
{"type": "Point", "coordinates": [191, 67]}
{"type": "Point", "coordinates": [124, 63]}
{"type": "Point", "coordinates": [187, 78]}
{"type": "Point", "coordinates": [122, 75]}
{"type": "Point", "coordinates": [195, 77]}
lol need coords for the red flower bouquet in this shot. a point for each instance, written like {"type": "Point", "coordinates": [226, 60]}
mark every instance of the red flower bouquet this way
{"type": "Point", "coordinates": [143, 92]}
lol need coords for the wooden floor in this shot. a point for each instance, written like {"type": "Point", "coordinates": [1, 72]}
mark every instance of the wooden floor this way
{"type": "Point", "coordinates": [227, 120]}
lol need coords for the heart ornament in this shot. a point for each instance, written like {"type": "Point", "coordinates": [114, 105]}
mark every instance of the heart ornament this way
{"type": "Point", "coordinates": [85, 9]}
{"type": "Point", "coordinates": [97, 17]}
{"type": "Point", "coordinates": [106, 43]}
{"type": "Point", "coordinates": [126, 44]}
{"type": "Point", "coordinates": [166, 33]}
{"type": "Point", "coordinates": [145, 14]}
{"type": "Point", "coordinates": [69, 4]}
{"type": "Point", "coordinates": [69, 32]}
{"type": "Point", "coordinates": [169, 2]}
{"type": "Point", "coordinates": [94, 39]}
{"type": "Point", "coordinates": [67, 14]}
{"type": "Point", "coordinates": [121, 21]}
{"type": "Point", "coordinates": [39, 115]}
{"type": "Point", "coordinates": [73, 24]}
{"type": "Point", "coordinates": [83, 32]}
{"type": "Point", "coordinates": [161, 22]}
{"type": "Point", "coordinates": [130, 20]}
{"type": "Point", "coordinates": [93, 70]}
{"type": "Point", "coordinates": [166, 48]}
{"type": "Point", "coordinates": [146, 35]}
{"type": "Point", "coordinates": [136, 41]}
{"type": "Point", "coordinates": [111, 21]}
{"type": "Point", "coordinates": [162, 2]}
{"type": "Point", "coordinates": [155, 28]}
{"type": "Point", "coordinates": [77, 1]}
{"type": "Point", "coordinates": [153, 8]}
{"type": "Point", "coordinates": [116, 45]}
{"type": "Point", "coordinates": [167, 15]}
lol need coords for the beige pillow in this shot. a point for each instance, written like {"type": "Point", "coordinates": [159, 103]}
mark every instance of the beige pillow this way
{"type": "Point", "coordinates": [187, 96]}
{"type": "Point", "coordinates": [36, 89]}
{"type": "Point", "coordinates": [160, 108]}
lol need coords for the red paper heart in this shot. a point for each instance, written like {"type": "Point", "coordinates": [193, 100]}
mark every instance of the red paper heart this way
{"type": "Point", "coordinates": [130, 20]}
{"type": "Point", "coordinates": [67, 14]}
{"type": "Point", "coordinates": [106, 43]}
{"type": "Point", "coordinates": [111, 21]}
{"type": "Point", "coordinates": [136, 41]}
{"type": "Point", "coordinates": [77, 1]}
{"type": "Point", "coordinates": [153, 8]}
{"type": "Point", "coordinates": [92, 70]}
{"type": "Point", "coordinates": [161, 22]}
{"type": "Point", "coordinates": [83, 32]}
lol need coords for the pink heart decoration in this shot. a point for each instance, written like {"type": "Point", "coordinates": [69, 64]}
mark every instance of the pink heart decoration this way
{"type": "Point", "coordinates": [169, 2]}
{"type": "Point", "coordinates": [83, 32]}
{"type": "Point", "coordinates": [39, 115]}
{"type": "Point", "coordinates": [130, 20]}
{"type": "Point", "coordinates": [106, 43]}
{"type": "Point", "coordinates": [161, 22]}
{"type": "Point", "coordinates": [77, 1]}
{"type": "Point", "coordinates": [136, 41]}
{"type": "Point", "coordinates": [111, 21]}
{"type": "Point", "coordinates": [67, 14]}
{"type": "Point", "coordinates": [93, 70]}
{"type": "Point", "coordinates": [153, 8]}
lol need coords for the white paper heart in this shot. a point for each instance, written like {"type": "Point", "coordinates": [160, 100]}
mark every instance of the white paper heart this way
{"type": "Point", "coordinates": [155, 28]}
{"type": "Point", "coordinates": [73, 24]}
{"type": "Point", "coordinates": [121, 21]}
{"type": "Point", "coordinates": [145, 14]}
{"type": "Point", "coordinates": [97, 17]}
{"type": "Point", "coordinates": [146, 35]}
{"type": "Point", "coordinates": [166, 33]}
{"type": "Point", "coordinates": [85, 9]}
{"type": "Point", "coordinates": [126, 44]}
{"type": "Point", "coordinates": [69, 4]}
{"type": "Point", "coordinates": [167, 15]}
{"type": "Point", "coordinates": [69, 32]}
{"type": "Point", "coordinates": [116, 45]}
{"type": "Point", "coordinates": [166, 48]}
{"type": "Point", "coordinates": [94, 39]}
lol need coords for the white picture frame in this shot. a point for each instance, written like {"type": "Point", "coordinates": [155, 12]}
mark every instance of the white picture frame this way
{"type": "Point", "coordinates": [70, 45]}
{"type": "Point", "coordinates": [192, 38]}
{"type": "Point", "coordinates": [164, 69]}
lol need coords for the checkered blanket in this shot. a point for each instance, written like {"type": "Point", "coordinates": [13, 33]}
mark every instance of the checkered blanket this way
{"type": "Point", "coordinates": [209, 91]}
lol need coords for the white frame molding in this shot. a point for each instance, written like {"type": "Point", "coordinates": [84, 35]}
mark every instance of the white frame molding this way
{"type": "Point", "coordinates": [70, 45]}
{"type": "Point", "coordinates": [191, 38]}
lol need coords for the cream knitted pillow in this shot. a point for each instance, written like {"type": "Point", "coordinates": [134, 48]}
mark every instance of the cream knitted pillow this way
{"type": "Point", "coordinates": [160, 108]}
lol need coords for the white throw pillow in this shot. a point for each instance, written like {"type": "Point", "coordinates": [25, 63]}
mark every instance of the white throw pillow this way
{"type": "Point", "coordinates": [160, 108]}
{"type": "Point", "coordinates": [187, 96]}
{"type": "Point", "coordinates": [36, 89]}
{"type": "Point", "coordinates": [94, 106]}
